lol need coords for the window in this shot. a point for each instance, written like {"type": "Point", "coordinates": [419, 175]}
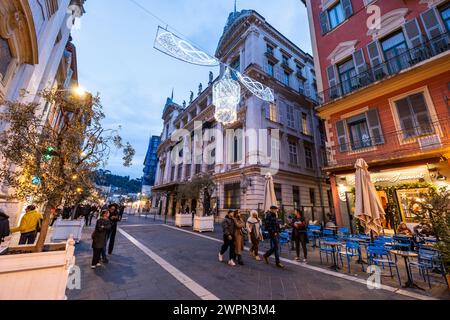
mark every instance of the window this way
{"type": "Point", "coordinates": [293, 158]}
{"type": "Point", "coordinates": [309, 157]}
{"type": "Point", "coordinates": [305, 124]}
{"type": "Point", "coordinates": [395, 52]}
{"type": "Point", "coordinates": [235, 65]}
{"type": "Point", "coordinates": [5, 57]}
{"type": "Point", "coordinates": [336, 15]}
{"type": "Point", "coordinates": [414, 116]}
{"type": "Point", "coordinates": [286, 76]}
{"type": "Point", "coordinates": [312, 196]}
{"type": "Point", "coordinates": [188, 170]}
{"type": "Point", "coordinates": [296, 197]}
{"type": "Point", "coordinates": [172, 174]}
{"type": "Point", "coordinates": [285, 60]}
{"type": "Point", "coordinates": [347, 74]}
{"type": "Point", "coordinates": [445, 14]}
{"type": "Point", "coordinates": [180, 171]}
{"type": "Point", "coordinates": [274, 149]}
{"type": "Point", "coordinates": [232, 197]}
{"type": "Point", "coordinates": [273, 112]}
{"type": "Point", "coordinates": [237, 149]}
{"type": "Point", "coordinates": [270, 68]}
{"type": "Point", "coordinates": [269, 49]}
{"type": "Point", "coordinates": [198, 168]}
{"type": "Point", "coordinates": [278, 194]}
{"type": "Point", "coordinates": [359, 132]}
{"type": "Point", "coordinates": [290, 117]}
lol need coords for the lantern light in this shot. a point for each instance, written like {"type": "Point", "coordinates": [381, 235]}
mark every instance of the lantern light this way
{"type": "Point", "coordinates": [226, 97]}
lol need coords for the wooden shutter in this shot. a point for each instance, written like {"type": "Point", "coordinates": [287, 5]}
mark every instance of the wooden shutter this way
{"type": "Point", "coordinates": [421, 114]}
{"type": "Point", "coordinates": [431, 23]}
{"type": "Point", "coordinates": [406, 118]}
{"type": "Point", "coordinates": [342, 136]}
{"type": "Point", "coordinates": [413, 33]}
{"type": "Point", "coordinates": [281, 108]}
{"type": "Point", "coordinates": [324, 24]}
{"type": "Point", "coordinates": [359, 61]}
{"type": "Point", "coordinates": [376, 132]}
{"type": "Point", "coordinates": [376, 60]}
{"type": "Point", "coordinates": [332, 82]}
{"type": "Point", "coordinates": [347, 6]}
{"type": "Point", "coordinates": [267, 107]}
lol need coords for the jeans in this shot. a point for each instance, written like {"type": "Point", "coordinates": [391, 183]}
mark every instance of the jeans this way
{"type": "Point", "coordinates": [112, 238]}
{"type": "Point", "coordinates": [301, 239]}
{"type": "Point", "coordinates": [228, 244]}
{"type": "Point", "coordinates": [103, 252]}
{"type": "Point", "coordinates": [27, 238]}
{"type": "Point", "coordinates": [274, 248]}
{"type": "Point", "coordinates": [96, 256]}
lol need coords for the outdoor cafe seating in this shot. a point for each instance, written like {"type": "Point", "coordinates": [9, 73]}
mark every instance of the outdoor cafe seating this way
{"type": "Point", "coordinates": [380, 256]}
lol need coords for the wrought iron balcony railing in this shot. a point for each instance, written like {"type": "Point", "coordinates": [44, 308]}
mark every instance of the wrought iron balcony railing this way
{"type": "Point", "coordinates": [390, 67]}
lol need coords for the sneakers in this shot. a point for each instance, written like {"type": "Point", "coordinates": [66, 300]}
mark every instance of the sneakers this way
{"type": "Point", "coordinates": [266, 260]}
{"type": "Point", "coordinates": [257, 258]}
{"type": "Point", "coordinates": [98, 265]}
{"type": "Point", "coordinates": [231, 263]}
{"type": "Point", "coordinates": [279, 265]}
{"type": "Point", "coordinates": [297, 259]}
{"type": "Point", "coordinates": [93, 267]}
{"type": "Point", "coordinates": [220, 257]}
{"type": "Point", "coordinates": [305, 261]}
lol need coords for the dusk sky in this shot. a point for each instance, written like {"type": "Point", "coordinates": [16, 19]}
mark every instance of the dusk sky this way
{"type": "Point", "coordinates": [116, 58]}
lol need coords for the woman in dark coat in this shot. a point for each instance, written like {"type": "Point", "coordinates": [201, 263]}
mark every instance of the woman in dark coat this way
{"type": "Point", "coordinates": [4, 225]}
{"type": "Point", "coordinates": [102, 228]}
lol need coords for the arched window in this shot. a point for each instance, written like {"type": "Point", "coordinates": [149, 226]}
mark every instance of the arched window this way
{"type": "Point", "coordinates": [5, 57]}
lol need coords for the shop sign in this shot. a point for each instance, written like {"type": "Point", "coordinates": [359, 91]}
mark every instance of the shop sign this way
{"type": "Point", "coordinates": [393, 178]}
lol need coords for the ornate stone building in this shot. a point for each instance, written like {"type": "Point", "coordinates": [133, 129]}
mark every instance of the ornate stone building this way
{"type": "Point", "coordinates": [35, 53]}
{"type": "Point", "coordinates": [253, 47]}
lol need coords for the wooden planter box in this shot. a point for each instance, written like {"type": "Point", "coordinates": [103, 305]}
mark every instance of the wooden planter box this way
{"type": "Point", "coordinates": [183, 220]}
{"type": "Point", "coordinates": [63, 229]}
{"type": "Point", "coordinates": [36, 276]}
{"type": "Point", "coordinates": [204, 224]}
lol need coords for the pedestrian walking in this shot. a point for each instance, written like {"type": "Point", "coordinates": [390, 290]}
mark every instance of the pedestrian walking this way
{"type": "Point", "coordinates": [255, 233]}
{"type": "Point", "coordinates": [99, 236]}
{"type": "Point", "coordinates": [239, 234]}
{"type": "Point", "coordinates": [4, 225]}
{"type": "Point", "coordinates": [273, 228]}
{"type": "Point", "coordinates": [228, 238]}
{"type": "Point", "coordinates": [299, 234]}
{"type": "Point", "coordinates": [29, 225]}
{"type": "Point", "coordinates": [114, 218]}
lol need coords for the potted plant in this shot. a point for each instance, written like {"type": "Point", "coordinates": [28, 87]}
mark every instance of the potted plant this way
{"type": "Point", "coordinates": [434, 213]}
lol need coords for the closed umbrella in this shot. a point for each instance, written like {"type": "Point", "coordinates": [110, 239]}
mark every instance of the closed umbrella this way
{"type": "Point", "coordinates": [368, 207]}
{"type": "Point", "coordinates": [269, 193]}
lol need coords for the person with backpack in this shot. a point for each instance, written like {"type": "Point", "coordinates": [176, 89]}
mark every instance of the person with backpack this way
{"type": "Point", "coordinates": [29, 226]}
{"type": "Point", "coordinates": [273, 228]}
{"type": "Point", "coordinates": [299, 234]}
{"type": "Point", "coordinates": [255, 233]}
{"type": "Point", "coordinates": [228, 238]}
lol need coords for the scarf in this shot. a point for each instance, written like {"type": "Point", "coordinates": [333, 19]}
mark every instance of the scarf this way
{"type": "Point", "coordinates": [257, 223]}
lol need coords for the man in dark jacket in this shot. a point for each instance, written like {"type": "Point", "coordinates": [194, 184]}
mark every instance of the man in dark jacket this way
{"type": "Point", "coordinates": [4, 225]}
{"type": "Point", "coordinates": [228, 238]}
{"type": "Point", "coordinates": [114, 218]}
{"type": "Point", "coordinates": [273, 228]}
{"type": "Point", "coordinates": [99, 238]}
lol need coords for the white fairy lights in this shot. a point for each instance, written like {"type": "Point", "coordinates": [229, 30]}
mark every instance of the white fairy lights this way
{"type": "Point", "coordinates": [226, 97]}
{"type": "Point", "coordinates": [256, 88]}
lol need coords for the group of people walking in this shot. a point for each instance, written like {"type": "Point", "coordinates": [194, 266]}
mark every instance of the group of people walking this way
{"type": "Point", "coordinates": [235, 231]}
{"type": "Point", "coordinates": [104, 235]}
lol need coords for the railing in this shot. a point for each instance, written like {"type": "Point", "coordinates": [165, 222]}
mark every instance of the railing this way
{"type": "Point", "coordinates": [390, 67]}
{"type": "Point", "coordinates": [434, 135]}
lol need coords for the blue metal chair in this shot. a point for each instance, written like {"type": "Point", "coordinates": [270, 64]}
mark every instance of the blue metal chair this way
{"type": "Point", "coordinates": [352, 249]}
{"type": "Point", "coordinates": [314, 234]}
{"type": "Point", "coordinates": [326, 249]}
{"type": "Point", "coordinates": [285, 239]}
{"type": "Point", "coordinates": [429, 260]}
{"type": "Point", "coordinates": [377, 255]}
{"type": "Point", "coordinates": [343, 234]}
{"type": "Point", "coordinates": [328, 233]}
{"type": "Point", "coordinates": [402, 243]}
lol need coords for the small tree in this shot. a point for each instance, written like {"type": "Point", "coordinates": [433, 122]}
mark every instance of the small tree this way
{"type": "Point", "coordinates": [200, 184]}
{"type": "Point", "coordinates": [55, 165]}
{"type": "Point", "coordinates": [432, 211]}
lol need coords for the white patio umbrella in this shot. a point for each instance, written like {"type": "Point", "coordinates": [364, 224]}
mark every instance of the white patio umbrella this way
{"type": "Point", "coordinates": [270, 198]}
{"type": "Point", "coordinates": [368, 207]}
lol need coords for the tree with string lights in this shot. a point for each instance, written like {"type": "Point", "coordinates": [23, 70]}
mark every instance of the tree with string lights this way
{"type": "Point", "coordinates": [55, 165]}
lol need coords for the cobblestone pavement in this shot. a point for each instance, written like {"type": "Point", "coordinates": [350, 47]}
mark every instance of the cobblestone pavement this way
{"type": "Point", "coordinates": [156, 261]}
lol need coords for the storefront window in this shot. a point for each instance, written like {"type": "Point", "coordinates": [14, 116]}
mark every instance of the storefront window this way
{"type": "Point", "coordinates": [232, 198]}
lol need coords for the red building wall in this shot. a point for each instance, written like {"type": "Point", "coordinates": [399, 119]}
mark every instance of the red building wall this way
{"type": "Point", "coordinates": [355, 28]}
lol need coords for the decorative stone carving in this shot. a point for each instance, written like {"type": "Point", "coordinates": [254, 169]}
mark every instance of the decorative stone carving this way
{"type": "Point", "coordinates": [211, 77]}
{"type": "Point", "coordinates": [342, 51]}
{"type": "Point", "coordinates": [191, 98]}
{"type": "Point", "coordinates": [389, 22]}
{"type": "Point", "coordinates": [431, 3]}
{"type": "Point", "coordinates": [200, 89]}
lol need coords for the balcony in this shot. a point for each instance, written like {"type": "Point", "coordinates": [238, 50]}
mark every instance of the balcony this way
{"type": "Point", "coordinates": [422, 142]}
{"type": "Point", "coordinates": [300, 76]}
{"type": "Point", "coordinates": [387, 69]}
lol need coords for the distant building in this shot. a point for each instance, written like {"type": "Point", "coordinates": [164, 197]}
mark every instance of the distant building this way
{"type": "Point", "coordinates": [150, 165]}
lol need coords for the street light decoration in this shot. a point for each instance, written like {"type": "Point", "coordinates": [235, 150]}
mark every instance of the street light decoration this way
{"type": "Point", "coordinates": [257, 88]}
{"type": "Point", "coordinates": [49, 153]}
{"type": "Point", "coordinates": [226, 97]}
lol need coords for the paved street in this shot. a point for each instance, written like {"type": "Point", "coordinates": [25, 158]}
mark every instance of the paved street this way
{"type": "Point", "coordinates": [178, 264]}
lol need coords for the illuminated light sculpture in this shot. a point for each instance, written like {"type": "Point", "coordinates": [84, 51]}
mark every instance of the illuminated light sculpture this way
{"type": "Point", "coordinates": [256, 88]}
{"type": "Point", "coordinates": [226, 97]}
{"type": "Point", "coordinates": [178, 48]}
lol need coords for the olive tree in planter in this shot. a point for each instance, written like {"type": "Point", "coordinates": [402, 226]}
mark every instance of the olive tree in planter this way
{"type": "Point", "coordinates": [434, 213]}
{"type": "Point", "coordinates": [55, 165]}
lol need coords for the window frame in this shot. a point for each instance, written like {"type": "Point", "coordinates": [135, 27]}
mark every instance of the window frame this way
{"type": "Point", "coordinates": [290, 116]}
{"type": "Point", "coordinates": [350, 122]}
{"type": "Point", "coordinates": [232, 196]}
{"type": "Point", "coordinates": [333, 9]}
{"type": "Point", "coordinates": [441, 10]}
{"type": "Point", "coordinates": [293, 152]}
{"type": "Point", "coordinates": [305, 124]}
{"type": "Point", "coordinates": [309, 159]}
